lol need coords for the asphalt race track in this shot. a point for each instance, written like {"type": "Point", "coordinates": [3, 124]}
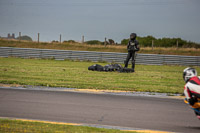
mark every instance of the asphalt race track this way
{"type": "Point", "coordinates": [103, 109]}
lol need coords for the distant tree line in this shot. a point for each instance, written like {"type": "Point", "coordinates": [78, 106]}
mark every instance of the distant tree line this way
{"type": "Point", "coordinates": [147, 42]}
{"type": "Point", "coordinates": [109, 42]}
{"type": "Point", "coordinates": [94, 42]}
{"type": "Point", "coordinates": [144, 42]}
{"type": "Point", "coordinates": [25, 38]}
{"type": "Point", "coordinates": [163, 42]}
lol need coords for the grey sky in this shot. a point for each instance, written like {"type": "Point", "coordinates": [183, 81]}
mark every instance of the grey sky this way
{"type": "Point", "coordinates": [97, 19]}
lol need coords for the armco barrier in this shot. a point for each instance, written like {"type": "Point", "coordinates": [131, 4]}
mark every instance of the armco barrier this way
{"type": "Point", "coordinates": [148, 59]}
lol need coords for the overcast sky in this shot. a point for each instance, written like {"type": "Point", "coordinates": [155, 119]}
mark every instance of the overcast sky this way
{"type": "Point", "coordinates": [97, 19]}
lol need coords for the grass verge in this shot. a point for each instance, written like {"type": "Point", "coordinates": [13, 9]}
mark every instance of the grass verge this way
{"type": "Point", "coordinates": [74, 74]}
{"type": "Point", "coordinates": [19, 126]}
{"type": "Point", "coordinates": [100, 48]}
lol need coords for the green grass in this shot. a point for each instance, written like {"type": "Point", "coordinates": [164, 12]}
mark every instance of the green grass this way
{"type": "Point", "coordinates": [74, 74]}
{"type": "Point", "coordinates": [18, 126]}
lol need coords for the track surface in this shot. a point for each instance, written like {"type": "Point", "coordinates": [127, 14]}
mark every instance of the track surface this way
{"type": "Point", "coordinates": [126, 111]}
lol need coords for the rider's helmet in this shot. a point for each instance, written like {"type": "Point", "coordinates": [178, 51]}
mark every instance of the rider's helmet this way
{"type": "Point", "coordinates": [189, 73]}
{"type": "Point", "coordinates": [133, 36]}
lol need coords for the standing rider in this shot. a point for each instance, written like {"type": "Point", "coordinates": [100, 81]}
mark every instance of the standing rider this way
{"type": "Point", "coordinates": [132, 47]}
{"type": "Point", "coordinates": [192, 89]}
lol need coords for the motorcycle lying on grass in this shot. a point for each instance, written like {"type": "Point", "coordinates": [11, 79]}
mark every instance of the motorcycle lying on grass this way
{"type": "Point", "coordinates": [195, 107]}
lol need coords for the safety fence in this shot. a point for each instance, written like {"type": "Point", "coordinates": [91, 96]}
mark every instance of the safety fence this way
{"type": "Point", "coordinates": [147, 59]}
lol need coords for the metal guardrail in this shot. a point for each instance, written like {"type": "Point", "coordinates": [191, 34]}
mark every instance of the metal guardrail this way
{"type": "Point", "coordinates": [147, 59]}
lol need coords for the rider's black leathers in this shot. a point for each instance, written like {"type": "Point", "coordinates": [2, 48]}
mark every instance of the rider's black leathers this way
{"type": "Point", "coordinates": [132, 47]}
